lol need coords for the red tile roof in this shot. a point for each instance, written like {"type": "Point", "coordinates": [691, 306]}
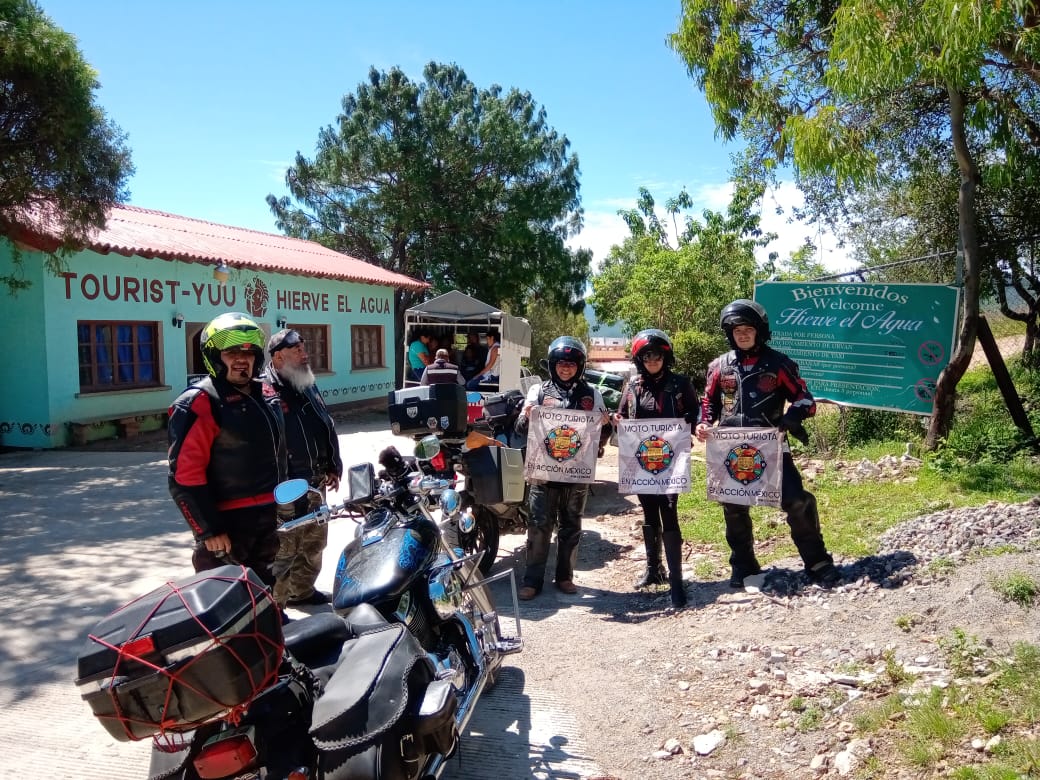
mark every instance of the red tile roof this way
{"type": "Point", "coordinates": [146, 233]}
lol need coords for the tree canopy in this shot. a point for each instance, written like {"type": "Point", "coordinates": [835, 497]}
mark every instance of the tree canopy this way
{"type": "Point", "coordinates": [646, 282]}
{"type": "Point", "coordinates": [461, 187]}
{"type": "Point", "coordinates": [862, 93]}
{"type": "Point", "coordinates": [58, 151]}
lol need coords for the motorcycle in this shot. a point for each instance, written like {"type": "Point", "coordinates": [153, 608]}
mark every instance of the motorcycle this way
{"type": "Point", "coordinates": [471, 456]}
{"type": "Point", "coordinates": [381, 688]}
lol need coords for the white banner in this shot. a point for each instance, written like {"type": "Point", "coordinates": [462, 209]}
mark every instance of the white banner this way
{"type": "Point", "coordinates": [745, 466]}
{"type": "Point", "coordinates": [654, 456]}
{"type": "Point", "coordinates": [562, 445]}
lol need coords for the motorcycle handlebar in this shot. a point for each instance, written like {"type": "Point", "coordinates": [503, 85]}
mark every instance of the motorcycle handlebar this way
{"type": "Point", "coordinates": [415, 483]}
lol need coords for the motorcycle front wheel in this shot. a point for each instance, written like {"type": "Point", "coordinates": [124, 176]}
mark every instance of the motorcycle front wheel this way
{"type": "Point", "coordinates": [483, 537]}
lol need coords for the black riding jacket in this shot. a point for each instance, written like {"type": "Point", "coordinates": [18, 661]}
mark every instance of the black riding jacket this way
{"type": "Point", "coordinates": [310, 433]}
{"type": "Point", "coordinates": [752, 389]}
{"type": "Point", "coordinates": [668, 395]}
{"type": "Point", "coordinates": [227, 451]}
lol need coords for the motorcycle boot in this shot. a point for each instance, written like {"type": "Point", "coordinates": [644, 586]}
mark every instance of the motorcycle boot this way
{"type": "Point", "coordinates": [673, 554]}
{"type": "Point", "coordinates": [654, 574]}
{"type": "Point", "coordinates": [741, 540]}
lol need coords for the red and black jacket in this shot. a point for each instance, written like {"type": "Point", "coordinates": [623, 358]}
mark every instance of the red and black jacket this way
{"type": "Point", "coordinates": [752, 389]}
{"type": "Point", "coordinates": [227, 451]}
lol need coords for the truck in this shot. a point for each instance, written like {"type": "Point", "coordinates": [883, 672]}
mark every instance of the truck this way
{"type": "Point", "coordinates": [453, 316]}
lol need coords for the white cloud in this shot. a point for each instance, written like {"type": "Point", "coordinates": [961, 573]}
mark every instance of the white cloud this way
{"type": "Point", "coordinates": [604, 228]}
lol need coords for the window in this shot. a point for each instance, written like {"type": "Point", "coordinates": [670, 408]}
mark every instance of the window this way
{"type": "Point", "coordinates": [317, 338]}
{"type": "Point", "coordinates": [117, 355]}
{"type": "Point", "coordinates": [366, 342]}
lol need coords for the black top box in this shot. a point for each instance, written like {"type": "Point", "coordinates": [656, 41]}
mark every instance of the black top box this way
{"type": "Point", "coordinates": [428, 409]}
{"type": "Point", "coordinates": [186, 652]}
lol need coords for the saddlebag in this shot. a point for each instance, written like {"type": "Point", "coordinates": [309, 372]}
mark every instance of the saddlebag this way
{"type": "Point", "coordinates": [428, 409]}
{"type": "Point", "coordinates": [495, 475]}
{"type": "Point", "coordinates": [186, 652]}
{"type": "Point", "coordinates": [382, 712]}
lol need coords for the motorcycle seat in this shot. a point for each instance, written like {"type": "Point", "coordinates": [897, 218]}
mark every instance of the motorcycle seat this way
{"type": "Point", "coordinates": [316, 637]}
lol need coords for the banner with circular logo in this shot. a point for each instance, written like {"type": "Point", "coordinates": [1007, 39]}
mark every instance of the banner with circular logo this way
{"type": "Point", "coordinates": [654, 456]}
{"type": "Point", "coordinates": [745, 466]}
{"type": "Point", "coordinates": [562, 445]}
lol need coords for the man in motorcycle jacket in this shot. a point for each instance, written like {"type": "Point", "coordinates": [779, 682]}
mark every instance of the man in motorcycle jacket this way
{"type": "Point", "coordinates": [658, 392]}
{"type": "Point", "coordinates": [227, 451]}
{"type": "Point", "coordinates": [750, 387]}
{"type": "Point", "coordinates": [558, 502]}
{"type": "Point", "coordinates": [313, 455]}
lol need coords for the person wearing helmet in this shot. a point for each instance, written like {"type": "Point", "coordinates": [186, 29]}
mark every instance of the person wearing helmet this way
{"type": "Point", "coordinates": [750, 386]}
{"type": "Point", "coordinates": [562, 503]}
{"type": "Point", "coordinates": [227, 451]}
{"type": "Point", "coordinates": [657, 392]}
{"type": "Point", "coordinates": [313, 455]}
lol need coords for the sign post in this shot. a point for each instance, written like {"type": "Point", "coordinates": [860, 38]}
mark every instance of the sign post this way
{"type": "Point", "coordinates": [879, 346]}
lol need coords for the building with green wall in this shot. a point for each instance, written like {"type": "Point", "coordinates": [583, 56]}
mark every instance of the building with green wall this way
{"type": "Point", "coordinates": [104, 347]}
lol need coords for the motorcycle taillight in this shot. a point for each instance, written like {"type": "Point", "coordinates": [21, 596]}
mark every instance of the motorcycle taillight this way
{"type": "Point", "coordinates": [226, 755]}
{"type": "Point", "coordinates": [439, 462]}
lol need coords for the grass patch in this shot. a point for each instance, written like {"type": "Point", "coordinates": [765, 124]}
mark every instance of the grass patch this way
{"type": "Point", "coordinates": [1017, 588]}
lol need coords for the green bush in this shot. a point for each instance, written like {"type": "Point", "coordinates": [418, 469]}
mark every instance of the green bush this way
{"type": "Point", "coordinates": [694, 350]}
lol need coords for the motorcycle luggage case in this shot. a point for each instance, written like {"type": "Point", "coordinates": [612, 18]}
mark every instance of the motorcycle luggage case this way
{"type": "Point", "coordinates": [182, 654]}
{"type": "Point", "coordinates": [498, 408]}
{"type": "Point", "coordinates": [495, 475]}
{"type": "Point", "coordinates": [428, 409]}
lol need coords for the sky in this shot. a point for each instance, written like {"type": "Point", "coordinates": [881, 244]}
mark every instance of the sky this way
{"type": "Point", "coordinates": [217, 97]}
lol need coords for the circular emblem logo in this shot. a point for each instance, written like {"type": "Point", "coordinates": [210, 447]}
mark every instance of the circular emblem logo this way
{"type": "Point", "coordinates": [745, 463]}
{"type": "Point", "coordinates": [562, 443]}
{"type": "Point", "coordinates": [654, 454]}
{"type": "Point", "coordinates": [256, 297]}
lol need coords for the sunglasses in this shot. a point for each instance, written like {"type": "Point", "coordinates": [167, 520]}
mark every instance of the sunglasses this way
{"type": "Point", "coordinates": [651, 355]}
{"type": "Point", "coordinates": [292, 339]}
{"type": "Point", "coordinates": [566, 364]}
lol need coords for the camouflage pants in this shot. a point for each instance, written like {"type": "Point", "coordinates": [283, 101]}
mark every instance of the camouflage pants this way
{"type": "Point", "coordinates": [298, 562]}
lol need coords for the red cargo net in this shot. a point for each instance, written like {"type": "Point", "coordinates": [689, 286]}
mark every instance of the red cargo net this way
{"type": "Point", "coordinates": [263, 645]}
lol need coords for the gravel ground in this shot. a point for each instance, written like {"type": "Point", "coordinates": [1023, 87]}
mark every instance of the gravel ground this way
{"type": "Point", "coordinates": [707, 692]}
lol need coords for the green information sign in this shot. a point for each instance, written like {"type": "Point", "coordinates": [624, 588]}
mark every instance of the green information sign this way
{"type": "Point", "coordinates": [879, 346]}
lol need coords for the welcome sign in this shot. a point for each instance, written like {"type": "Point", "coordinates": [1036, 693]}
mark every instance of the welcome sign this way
{"type": "Point", "coordinates": [654, 456]}
{"type": "Point", "coordinates": [879, 346]}
{"type": "Point", "coordinates": [745, 466]}
{"type": "Point", "coordinates": [562, 445]}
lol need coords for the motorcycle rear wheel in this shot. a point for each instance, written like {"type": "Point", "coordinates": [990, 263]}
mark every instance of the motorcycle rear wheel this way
{"type": "Point", "coordinates": [483, 537]}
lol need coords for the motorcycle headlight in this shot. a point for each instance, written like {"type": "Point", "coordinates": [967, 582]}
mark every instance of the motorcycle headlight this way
{"type": "Point", "coordinates": [450, 501]}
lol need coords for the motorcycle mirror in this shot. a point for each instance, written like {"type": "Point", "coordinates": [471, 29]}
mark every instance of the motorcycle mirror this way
{"type": "Point", "coordinates": [290, 491]}
{"type": "Point", "coordinates": [427, 447]}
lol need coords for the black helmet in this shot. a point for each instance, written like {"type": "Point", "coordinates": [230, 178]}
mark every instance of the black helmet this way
{"type": "Point", "coordinates": [652, 339]}
{"type": "Point", "coordinates": [567, 348]}
{"type": "Point", "coordinates": [229, 330]}
{"type": "Point", "coordinates": [745, 312]}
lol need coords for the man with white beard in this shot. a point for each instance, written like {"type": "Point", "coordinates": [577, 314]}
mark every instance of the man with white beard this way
{"type": "Point", "coordinates": [313, 450]}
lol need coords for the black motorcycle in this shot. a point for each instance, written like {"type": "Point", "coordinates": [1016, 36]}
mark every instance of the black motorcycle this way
{"type": "Point", "coordinates": [383, 688]}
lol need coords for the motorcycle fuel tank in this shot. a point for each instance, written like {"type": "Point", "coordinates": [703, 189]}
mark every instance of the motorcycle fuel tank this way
{"type": "Point", "coordinates": [382, 562]}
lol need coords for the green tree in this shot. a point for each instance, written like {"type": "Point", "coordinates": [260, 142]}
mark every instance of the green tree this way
{"type": "Point", "coordinates": [854, 90]}
{"type": "Point", "coordinates": [60, 157]}
{"type": "Point", "coordinates": [463, 188]}
{"type": "Point", "coordinates": [647, 283]}
{"type": "Point", "coordinates": [548, 322]}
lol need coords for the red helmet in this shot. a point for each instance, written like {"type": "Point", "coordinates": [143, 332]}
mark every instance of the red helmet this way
{"type": "Point", "coordinates": [655, 340]}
